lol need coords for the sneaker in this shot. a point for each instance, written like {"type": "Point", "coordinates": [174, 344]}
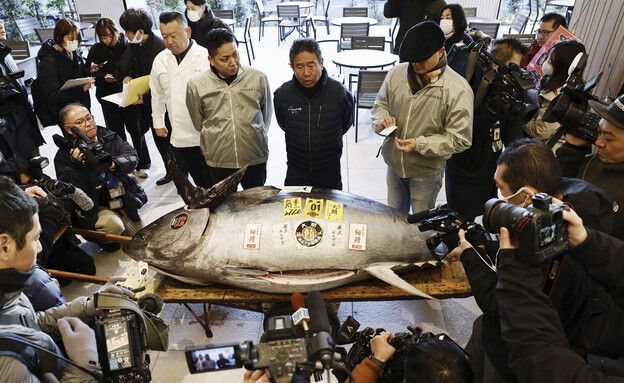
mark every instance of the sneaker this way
{"type": "Point", "coordinates": [165, 180]}
{"type": "Point", "coordinates": [143, 173]}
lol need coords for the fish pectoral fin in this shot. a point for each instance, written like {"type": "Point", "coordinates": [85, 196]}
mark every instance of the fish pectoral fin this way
{"type": "Point", "coordinates": [386, 274]}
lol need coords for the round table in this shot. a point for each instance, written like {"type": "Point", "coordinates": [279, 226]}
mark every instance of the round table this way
{"type": "Point", "coordinates": [301, 4]}
{"type": "Point", "coordinates": [353, 20]}
{"type": "Point", "coordinates": [364, 59]}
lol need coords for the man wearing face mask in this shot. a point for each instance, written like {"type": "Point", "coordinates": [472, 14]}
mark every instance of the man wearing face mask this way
{"type": "Point", "coordinates": [432, 108]}
{"type": "Point", "coordinates": [201, 20]}
{"type": "Point", "coordinates": [525, 168]}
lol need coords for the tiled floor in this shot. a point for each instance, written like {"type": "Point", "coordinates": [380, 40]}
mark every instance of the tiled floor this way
{"type": "Point", "coordinates": [363, 174]}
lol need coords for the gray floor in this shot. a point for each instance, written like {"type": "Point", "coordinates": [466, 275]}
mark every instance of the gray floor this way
{"type": "Point", "coordinates": [363, 174]}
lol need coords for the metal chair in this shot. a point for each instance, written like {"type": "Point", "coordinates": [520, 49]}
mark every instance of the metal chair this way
{"type": "Point", "coordinates": [290, 17]}
{"type": "Point", "coordinates": [20, 50]}
{"type": "Point", "coordinates": [369, 83]}
{"type": "Point", "coordinates": [470, 12]}
{"type": "Point", "coordinates": [355, 12]}
{"type": "Point", "coordinates": [323, 18]}
{"type": "Point", "coordinates": [27, 26]}
{"type": "Point", "coordinates": [377, 43]}
{"type": "Point", "coordinates": [392, 32]}
{"type": "Point", "coordinates": [534, 7]}
{"type": "Point", "coordinates": [89, 37]}
{"type": "Point", "coordinates": [264, 17]}
{"type": "Point", "coordinates": [349, 30]}
{"type": "Point", "coordinates": [526, 39]}
{"type": "Point", "coordinates": [90, 17]}
{"type": "Point", "coordinates": [44, 33]}
{"type": "Point", "coordinates": [490, 29]}
{"type": "Point", "coordinates": [225, 14]}
{"type": "Point", "coordinates": [519, 23]}
{"type": "Point", "coordinates": [246, 39]}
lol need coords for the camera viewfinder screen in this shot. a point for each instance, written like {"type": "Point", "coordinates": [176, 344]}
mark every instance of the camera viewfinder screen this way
{"type": "Point", "coordinates": [214, 359]}
{"type": "Point", "coordinates": [547, 235]}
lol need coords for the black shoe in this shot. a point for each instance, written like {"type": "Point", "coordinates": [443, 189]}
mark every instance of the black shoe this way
{"type": "Point", "coordinates": [165, 180]}
{"type": "Point", "coordinates": [110, 247]}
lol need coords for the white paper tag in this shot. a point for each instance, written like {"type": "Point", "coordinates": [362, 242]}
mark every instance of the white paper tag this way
{"type": "Point", "coordinates": [386, 132]}
{"type": "Point", "coordinates": [252, 236]}
{"type": "Point", "coordinates": [357, 236]}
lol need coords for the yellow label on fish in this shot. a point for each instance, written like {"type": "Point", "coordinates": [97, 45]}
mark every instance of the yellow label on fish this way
{"type": "Point", "coordinates": [292, 207]}
{"type": "Point", "coordinates": [313, 208]}
{"type": "Point", "coordinates": [333, 211]}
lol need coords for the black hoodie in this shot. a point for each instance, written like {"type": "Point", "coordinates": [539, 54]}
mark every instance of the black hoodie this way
{"type": "Point", "coordinates": [54, 68]}
{"type": "Point", "coordinates": [200, 29]}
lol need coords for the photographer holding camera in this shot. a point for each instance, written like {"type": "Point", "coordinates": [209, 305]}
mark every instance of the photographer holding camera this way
{"type": "Point", "coordinates": [28, 350]}
{"type": "Point", "coordinates": [540, 350]}
{"type": "Point", "coordinates": [605, 168]}
{"type": "Point", "coordinates": [524, 169]}
{"type": "Point", "coordinates": [116, 195]}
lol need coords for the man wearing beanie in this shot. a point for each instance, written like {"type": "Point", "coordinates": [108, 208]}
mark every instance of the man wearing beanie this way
{"type": "Point", "coordinates": [432, 112]}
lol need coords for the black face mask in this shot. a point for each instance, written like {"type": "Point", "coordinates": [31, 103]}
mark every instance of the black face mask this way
{"type": "Point", "coordinates": [12, 280]}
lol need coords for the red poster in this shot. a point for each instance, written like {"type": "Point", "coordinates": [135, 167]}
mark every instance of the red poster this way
{"type": "Point", "coordinates": [535, 66]}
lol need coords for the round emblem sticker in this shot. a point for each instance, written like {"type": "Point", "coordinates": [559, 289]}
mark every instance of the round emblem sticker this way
{"type": "Point", "coordinates": [179, 220]}
{"type": "Point", "coordinates": [309, 233]}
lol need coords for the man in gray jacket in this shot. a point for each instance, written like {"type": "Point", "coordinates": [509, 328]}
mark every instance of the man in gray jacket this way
{"type": "Point", "coordinates": [432, 113]}
{"type": "Point", "coordinates": [230, 105]}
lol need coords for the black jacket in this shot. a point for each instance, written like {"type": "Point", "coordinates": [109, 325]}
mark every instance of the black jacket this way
{"type": "Point", "coordinates": [540, 351]}
{"type": "Point", "coordinates": [410, 13]}
{"type": "Point", "coordinates": [100, 53]}
{"type": "Point", "coordinates": [314, 127]}
{"type": "Point", "coordinates": [54, 68]}
{"type": "Point", "coordinates": [125, 158]}
{"type": "Point", "coordinates": [200, 29]}
{"type": "Point", "coordinates": [573, 292]}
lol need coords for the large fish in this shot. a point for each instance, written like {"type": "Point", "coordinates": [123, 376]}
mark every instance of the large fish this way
{"type": "Point", "coordinates": [280, 240]}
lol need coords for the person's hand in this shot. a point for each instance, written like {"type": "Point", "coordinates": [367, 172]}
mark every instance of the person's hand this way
{"type": "Point", "coordinates": [505, 240]}
{"type": "Point", "coordinates": [79, 341]}
{"type": "Point", "coordinates": [35, 191]}
{"type": "Point", "coordinates": [113, 166]}
{"type": "Point", "coordinates": [78, 156]}
{"type": "Point", "coordinates": [387, 122]}
{"type": "Point", "coordinates": [127, 80]}
{"type": "Point", "coordinates": [140, 100]}
{"type": "Point", "coordinates": [456, 253]}
{"type": "Point", "coordinates": [161, 132]}
{"type": "Point", "coordinates": [88, 85]}
{"type": "Point", "coordinates": [109, 78]}
{"type": "Point", "coordinates": [577, 233]}
{"type": "Point", "coordinates": [574, 140]}
{"type": "Point", "coordinates": [381, 348]}
{"type": "Point", "coordinates": [255, 376]}
{"type": "Point", "coordinates": [94, 67]}
{"type": "Point", "coordinates": [406, 146]}
{"type": "Point", "coordinates": [109, 287]}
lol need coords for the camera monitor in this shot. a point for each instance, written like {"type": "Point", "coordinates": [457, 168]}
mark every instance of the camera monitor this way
{"type": "Point", "coordinates": [215, 357]}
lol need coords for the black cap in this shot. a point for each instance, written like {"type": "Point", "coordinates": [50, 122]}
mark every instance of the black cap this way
{"type": "Point", "coordinates": [421, 42]}
{"type": "Point", "coordinates": [613, 113]}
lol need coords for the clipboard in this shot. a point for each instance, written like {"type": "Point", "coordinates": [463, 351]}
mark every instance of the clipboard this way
{"type": "Point", "coordinates": [76, 82]}
{"type": "Point", "coordinates": [128, 95]}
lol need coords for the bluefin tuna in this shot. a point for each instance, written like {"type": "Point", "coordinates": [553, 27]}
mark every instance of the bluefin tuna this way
{"type": "Point", "coordinates": [281, 240]}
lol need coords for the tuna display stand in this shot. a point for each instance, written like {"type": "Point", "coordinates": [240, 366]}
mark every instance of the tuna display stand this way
{"type": "Point", "coordinates": [445, 281]}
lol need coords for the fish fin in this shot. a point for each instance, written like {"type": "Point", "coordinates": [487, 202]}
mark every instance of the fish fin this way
{"type": "Point", "coordinates": [385, 273]}
{"type": "Point", "coordinates": [197, 197]}
{"type": "Point", "coordinates": [181, 278]}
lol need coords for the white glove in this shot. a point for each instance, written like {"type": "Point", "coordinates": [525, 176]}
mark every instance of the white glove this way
{"type": "Point", "coordinates": [79, 341]}
{"type": "Point", "coordinates": [109, 287]}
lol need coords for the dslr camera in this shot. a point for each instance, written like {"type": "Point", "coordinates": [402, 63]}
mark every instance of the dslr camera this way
{"type": "Point", "coordinates": [93, 153]}
{"type": "Point", "coordinates": [279, 351]}
{"type": "Point", "coordinates": [125, 332]}
{"type": "Point", "coordinates": [539, 229]}
{"type": "Point", "coordinates": [571, 107]}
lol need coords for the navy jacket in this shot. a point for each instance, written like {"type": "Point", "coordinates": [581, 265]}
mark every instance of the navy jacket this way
{"type": "Point", "coordinates": [314, 127]}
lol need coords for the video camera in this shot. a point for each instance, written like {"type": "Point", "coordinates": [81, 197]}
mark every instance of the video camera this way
{"type": "Point", "coordinates": [403, 341]}
{"type": "Point", "coordinates": [125, 332]}
{"type": "Point", "coordinates": [94, 154]}
{"type": "Point", "coordinates": [279, 351]}
{"type": "Point", "coordinates": [501, 91]}
{"type": "Point", "coordinates": [540, 229]}
{"type": "Point", "coordinates": [447, 223]}
{"type": "Point", "coordinates": [571, 107]}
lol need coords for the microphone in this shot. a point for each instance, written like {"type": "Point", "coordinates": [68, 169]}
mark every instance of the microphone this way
{"type": "Point", "coordinates": [417, 217]}
{"type": "Point", "coordinates": [301, 315]}
{"type": "Point", "coordinates": [321, 344]}
{"type": "Point", "coordinates": [151, 302]}
{"type": "Point", "coordinates": [63, 190]}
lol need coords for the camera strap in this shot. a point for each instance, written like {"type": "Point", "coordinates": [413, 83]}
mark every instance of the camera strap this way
{"type": "Point", "coordinates": [552, 274]}
{"type": "Point", "coordinates": [556, 136]}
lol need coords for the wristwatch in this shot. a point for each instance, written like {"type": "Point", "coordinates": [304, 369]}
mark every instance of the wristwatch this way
{"type": "Point", "coordinates": [376, 361]}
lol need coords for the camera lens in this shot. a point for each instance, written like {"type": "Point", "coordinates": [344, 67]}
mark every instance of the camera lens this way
{"type": "Point", "coordinates": [500, 214]}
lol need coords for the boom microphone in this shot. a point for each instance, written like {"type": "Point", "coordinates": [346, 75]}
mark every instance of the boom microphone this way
{"type": "Point", "coordinates": [321, 344]}
{"type": "Point", "coordinates": [63, 190]}
{"type": "Point", "coordinates": [301, 315]}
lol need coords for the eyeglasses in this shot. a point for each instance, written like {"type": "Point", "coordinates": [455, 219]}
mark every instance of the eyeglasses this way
{"type": "Point", "coordinates": [543, 32]}
{"type": "Point", "coordinates": [86, 122]}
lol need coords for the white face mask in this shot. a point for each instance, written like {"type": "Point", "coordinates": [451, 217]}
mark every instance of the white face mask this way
{"type": "Point", "coordinates": [506, 199]}
{"type": "Point", "coordinates": [447, 26]}
{"type": "Point", "coordinates": [194, 16]}
{"type": "Point", "coordinates": [136, 39]}
{"type": "Point", "coordinates": [71, 46]}
{"type": "Point", "coordinates": [547, 68]}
